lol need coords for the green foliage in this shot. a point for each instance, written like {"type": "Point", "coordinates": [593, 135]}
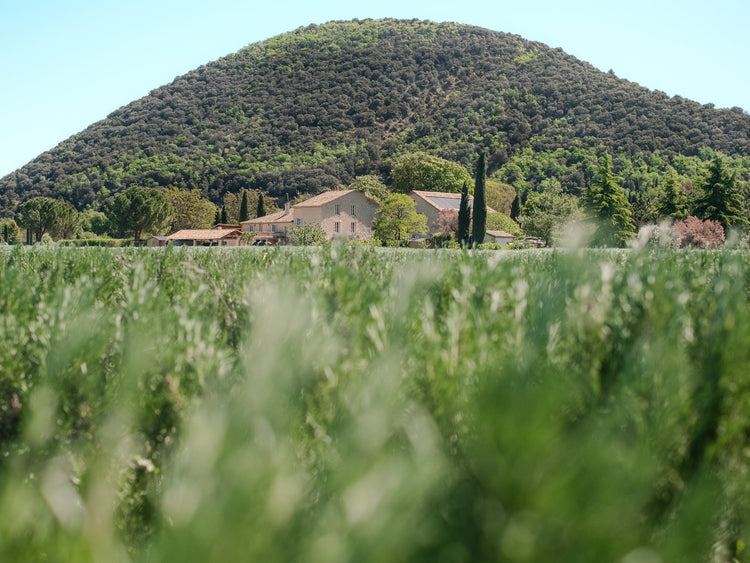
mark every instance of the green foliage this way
{"type": "Point", "coordinates": [424, 172]}
{"type": "Point", "coordinates": [673, 203]}
{"type": "Point", "coordinates": [479, 208]}
{"type": "Point", "coordinates": [372, 186]}
{"type": "Point", "coordinates": [464, 217]}
{"type": "Point", "coordinates": [244, 207]}
{"type": "Point", "coordinates": [722, 200]}
{"type": "Point", "coordinates": [605, 202]}
{"type": "Point", "coordinates": [499, 195]}
{"type": "Point", "coordinates": [544, 211]}
{"type": "Point", "coordinates": [307, 235]}
{"type": "Point", "coordinates": [43, 215]}
{"type": "Point", "coordinates": [191, 211]}
{"type": "Point", "coordinates": [423, 405]}
{"type": "Point", "coordinates": [261, 209]}
{"type": "Point", "coordinates": [95, 222]}
{"type": "Point", "coordinates": [397, 219]}
{"type": "Point", "coordinates": [139, 211]}
{"type": "Point", "coordinates": [501, 222]}
{"type": "Point", "coordinates": [515, 208]}
{"type": "Point", "coordinates": [9, 231]}
{"type": "Point", "coordinates": [313, 109]}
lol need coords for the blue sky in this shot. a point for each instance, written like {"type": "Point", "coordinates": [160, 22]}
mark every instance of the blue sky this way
{"type": "Point", "coordinates": [65, 64]}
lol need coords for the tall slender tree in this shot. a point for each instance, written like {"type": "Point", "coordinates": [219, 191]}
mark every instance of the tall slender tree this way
{"type": "Point", "coordinates": [224, 214]}
{"type": "Point", "coordinates": [515, 207]}
{"type": "Point", "coordinates": [244, 211]}
{"type": "Point", "coordinates": [605, 202]}
{"type": "Point", "coordinates": [464, 217]}
{"type": "Point", "coordinates": [261, 206]}
{"type": "Point", "coordinates": [479, 227]}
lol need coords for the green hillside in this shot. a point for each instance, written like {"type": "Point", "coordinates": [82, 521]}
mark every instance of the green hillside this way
{"type": "Point", "coordinates": [314, 108]}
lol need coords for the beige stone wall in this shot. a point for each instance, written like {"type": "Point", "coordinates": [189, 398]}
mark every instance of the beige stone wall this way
{"type": "Point", "coordinates": [427, 209]}
{"type": "Point", "coordinates": [326, 217]}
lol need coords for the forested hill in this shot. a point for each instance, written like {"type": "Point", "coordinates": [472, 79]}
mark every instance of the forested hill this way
{"type": "Point", "coordinates": [313, 108]}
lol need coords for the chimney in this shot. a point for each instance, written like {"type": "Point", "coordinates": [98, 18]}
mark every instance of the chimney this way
{"type": "Point", "coordinates": [286, 207]}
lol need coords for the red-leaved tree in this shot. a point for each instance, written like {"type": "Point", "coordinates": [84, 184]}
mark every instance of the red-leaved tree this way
{"type": "Point", "coordinates": [701, 234]}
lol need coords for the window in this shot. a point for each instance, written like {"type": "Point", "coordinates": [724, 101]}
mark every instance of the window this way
{"type": "Point", "coordinates": [260, 228]}
{"type": "Point", "coordinates": [336, 210]}
{"type": "Point", "coordinates": [353, 211]}
{"type": "Point", "coordinates": [352, 228]}
{"type": "Point", "coordinates": [251, 228]}
{"type": "Point", "coordinates": [273, 228]}
{"type": "Point", "coordinates": [337, 227]}
{"type": "Point", "coordinates": [299, 222]}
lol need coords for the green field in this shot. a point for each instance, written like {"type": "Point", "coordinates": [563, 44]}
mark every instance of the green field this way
{"type": "Point", "coordinates": [360, 404]}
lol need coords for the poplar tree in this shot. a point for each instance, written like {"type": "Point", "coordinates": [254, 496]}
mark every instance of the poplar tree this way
{"type": "Point", "coordinates": [479, 228]}
{"type": "Point", "coordinates": [464, 217]}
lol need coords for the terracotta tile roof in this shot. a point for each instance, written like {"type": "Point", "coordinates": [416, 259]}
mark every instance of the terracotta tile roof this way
{"type": "Point", "coordinates": [322, 199]}
{"type": "Point", "coordinates": [286, 216]}
{"type": "Point", "coordinates": [203, 234]}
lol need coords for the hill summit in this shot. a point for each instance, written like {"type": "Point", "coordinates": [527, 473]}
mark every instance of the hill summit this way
{"type": "Point", "coordinates": [314, 108]}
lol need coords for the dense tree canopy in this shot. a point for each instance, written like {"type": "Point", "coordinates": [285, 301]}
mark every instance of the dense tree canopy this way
{"type": "Point", "coordinates": [423, 172]}
{"type": "Point", "coordinates": [42, 215]}
{"type": "Point", "coordinates": [191, 211]}
{"type": "Point", "coordinates": [139, 211]}
{"type": "Point", "coordinates": [721, 200]}
{"type": "Point", "coordinates": [546, 209]}
{"type": "Point", "coordinates": [315, 108]}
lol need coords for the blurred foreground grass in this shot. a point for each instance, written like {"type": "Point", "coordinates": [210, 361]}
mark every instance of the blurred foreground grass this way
{"type": "Point", "coordinates": [353, 404]}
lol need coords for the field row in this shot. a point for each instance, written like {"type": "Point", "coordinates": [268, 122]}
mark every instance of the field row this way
{"type": "Point", "coordinates": [364, 404]}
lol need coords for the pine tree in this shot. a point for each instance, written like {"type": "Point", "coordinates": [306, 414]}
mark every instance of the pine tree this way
{"type": "Point", "coordinates": [722, 200]}
{"type": "Point", "coordinates": [244, 211]}
{"type": "Point", "coordinates": [464, 217]}
{"type": "Point", "coordinates": [261, 206]}
{"type": "Point", "coordinates": [479, 228]}
{"type": "Point", "coordinates": [673, 202]}
{"type": "Point", "coordinates": [605, 202]}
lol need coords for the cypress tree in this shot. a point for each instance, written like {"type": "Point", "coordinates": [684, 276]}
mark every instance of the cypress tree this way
{"type": "Point", "coordinates": [464, 217]}
{"type": "Point", "coordinates": [515, 207]}
{"type": "Point", "coordinates": [217, 217]}
{"type": "Point", "coordinates": [261, 206]}
{"type": "Point", "coordinates": [224, 214]}
{"type": "Point", "coordinates": [480, 203]}
{"type": "Point", "coordinates": [244, 211]}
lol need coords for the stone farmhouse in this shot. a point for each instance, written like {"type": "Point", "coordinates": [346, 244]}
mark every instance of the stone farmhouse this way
{"type": "Point", "coordinates": [430, 204]}
{"type": "Point", "coordinates": [340, 213]}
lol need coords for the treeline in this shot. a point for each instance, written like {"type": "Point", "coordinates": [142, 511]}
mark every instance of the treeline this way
{"type": "Point", "coordinates": [315, 108]}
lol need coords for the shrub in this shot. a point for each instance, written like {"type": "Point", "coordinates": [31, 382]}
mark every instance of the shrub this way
{"type": "Point", "coordinates": [692, 232]}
